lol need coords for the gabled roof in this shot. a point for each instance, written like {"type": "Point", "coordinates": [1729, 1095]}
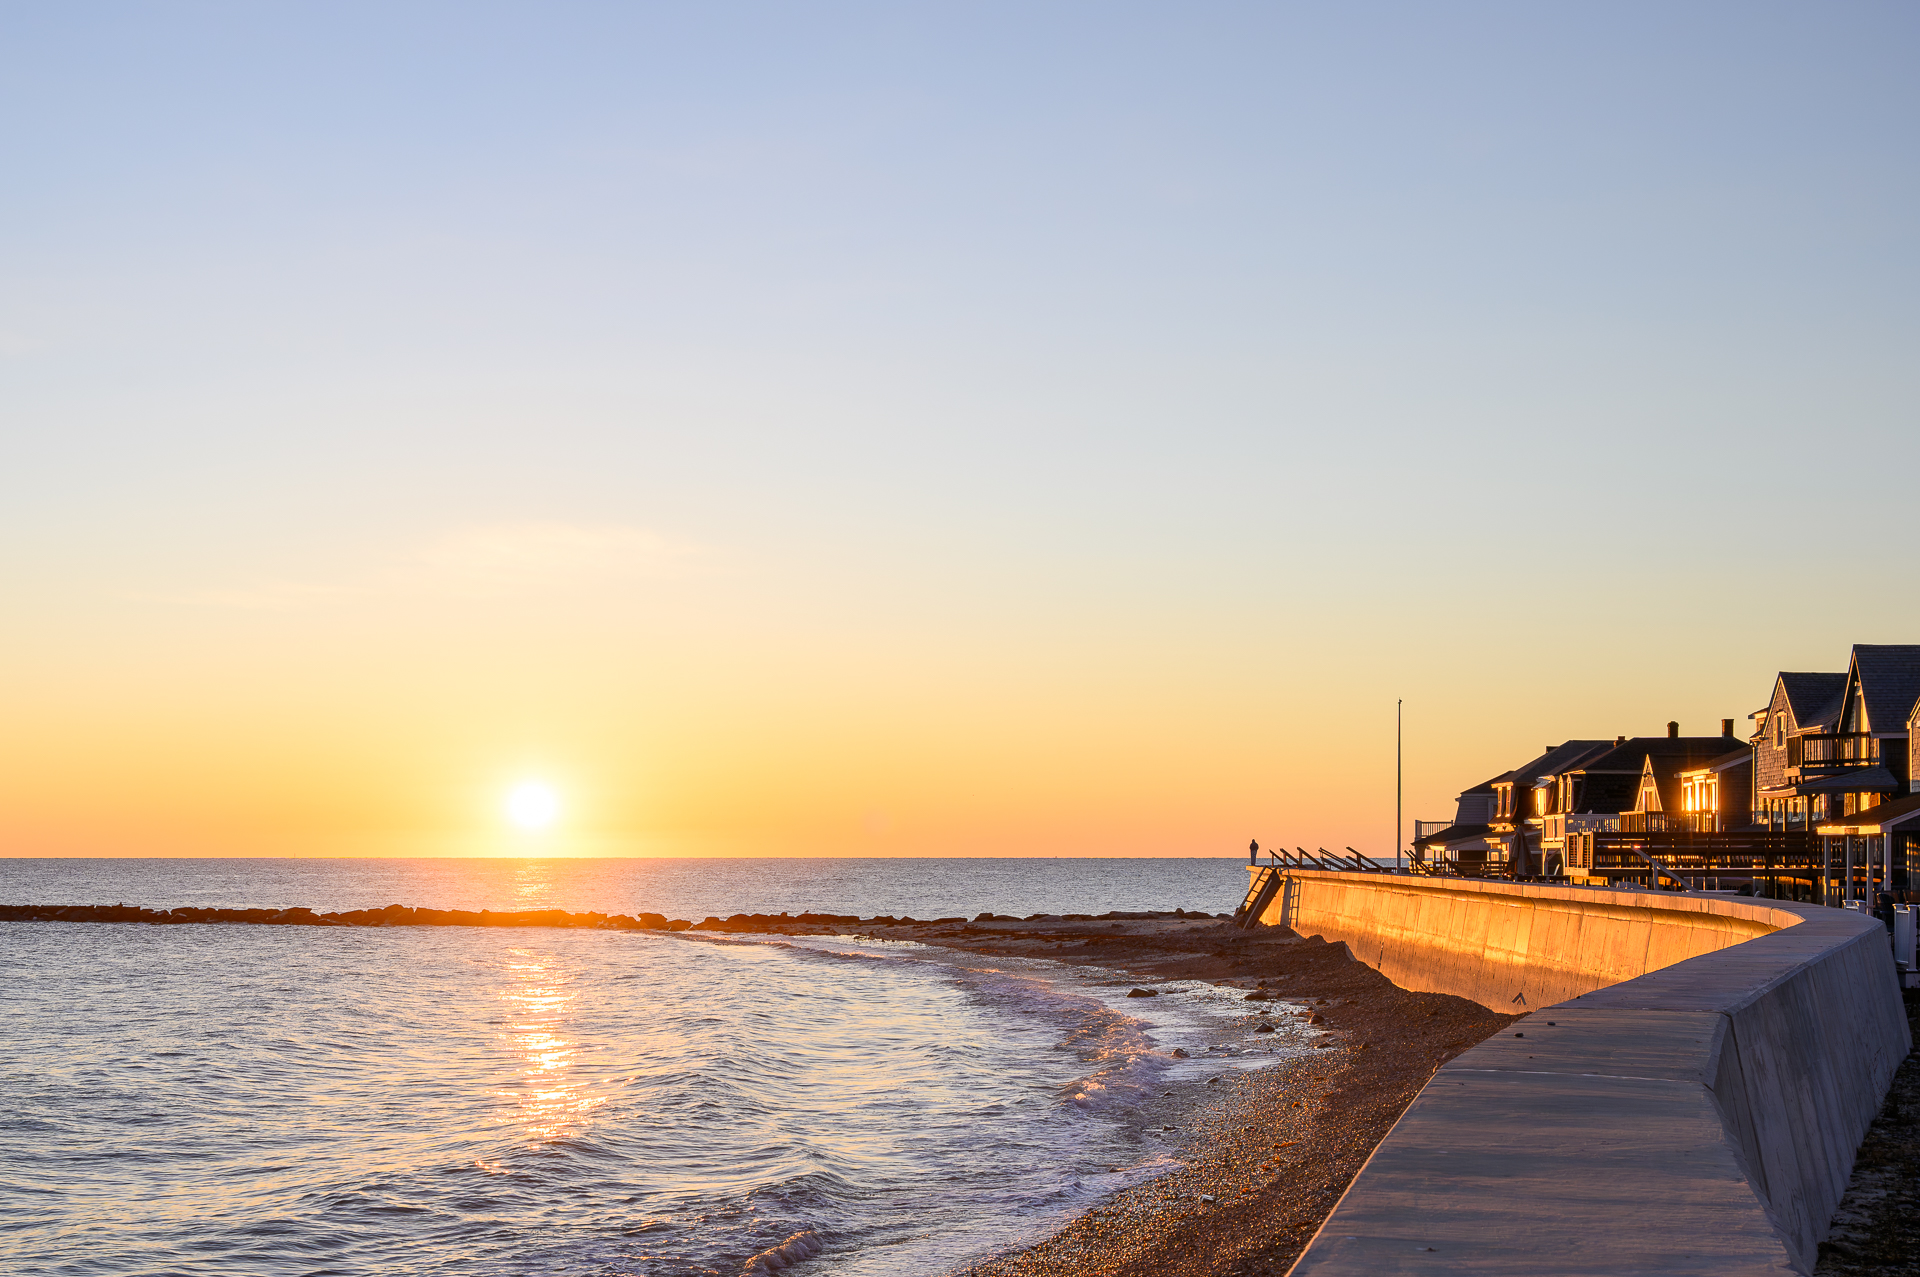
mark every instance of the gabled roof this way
{"type": "Point", "coordinates": [1683, 752]}
{"type": "Point", "coordinates": [1607, 791]}
{"type": "Point", "coordinates": [1731, 759]}
{"type": "Point", "coordinates": [1889, 677]}
{"type": "Point", "coordinates": [1560, 758]}
{"type": "Point", "coordinates": [1815, 698]}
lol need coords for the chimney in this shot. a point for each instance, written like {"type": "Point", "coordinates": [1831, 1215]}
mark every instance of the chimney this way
{"type": "Point", "coordinates": [1673, 731]}
{"type": "Point", "coordinates": [1726, 727]}
{"type": "Point", "coordinates": [1618, 741]}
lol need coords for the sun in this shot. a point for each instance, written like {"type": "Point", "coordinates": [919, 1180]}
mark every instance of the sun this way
{"type": "Point", "coordinates": [533, 804]}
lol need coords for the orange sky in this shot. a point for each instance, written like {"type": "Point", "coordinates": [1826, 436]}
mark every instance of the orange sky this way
{"type": "Point", "coordinates": [712, 709]}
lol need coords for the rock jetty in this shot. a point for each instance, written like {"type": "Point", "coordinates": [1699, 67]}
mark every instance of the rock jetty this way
{"type": "Point", "coordinates": [403, 916]}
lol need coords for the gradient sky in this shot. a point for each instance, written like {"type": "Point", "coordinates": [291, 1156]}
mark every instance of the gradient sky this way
{"type": "Point", "coordinates": [926, 429]}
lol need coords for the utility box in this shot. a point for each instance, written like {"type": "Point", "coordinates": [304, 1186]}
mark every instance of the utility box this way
{"type": "Point", "coordinates": [1903, 944]}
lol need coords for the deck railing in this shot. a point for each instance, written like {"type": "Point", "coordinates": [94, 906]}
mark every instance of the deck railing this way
{"type": "Point", "coordinates": [1823, 752]}
{"type": "Point", "coordinates": [1664, 822]}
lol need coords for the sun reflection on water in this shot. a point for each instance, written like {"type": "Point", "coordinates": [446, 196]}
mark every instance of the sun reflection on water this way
{"type": "Point", "coordinates": [548, 1100]}
{"type": "Point", "coordinates": [532, 883]}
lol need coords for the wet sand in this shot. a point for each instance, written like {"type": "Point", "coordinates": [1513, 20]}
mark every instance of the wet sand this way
{"type": "Point", "coordinates": [1266, 1154]}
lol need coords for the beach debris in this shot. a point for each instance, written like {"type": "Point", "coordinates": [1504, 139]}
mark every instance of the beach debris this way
{"type": "Point", "coordinates": [1263, 1027]}
{"type": "Point", "coordinates": [1258, 995]}
{"type": "Point", "coordinates": [1208, 1197]}
{"type": "Point", "coordinates": [1519, 1035]}
{"type": "Point", "coordinates": [1179, 1054]}
{"type": "Point", "coordinates": [1143, 993]}
{"type": "Point", "coordinates": [1316, 1018]}
{"type": "Point", "coordinates": [1212, 1080]}
{"type": "Point", "coordinates": [802, 1245]}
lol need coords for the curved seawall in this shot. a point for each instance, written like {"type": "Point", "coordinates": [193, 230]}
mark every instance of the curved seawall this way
{"type": "Point", "coordinates": [1694, 1106]}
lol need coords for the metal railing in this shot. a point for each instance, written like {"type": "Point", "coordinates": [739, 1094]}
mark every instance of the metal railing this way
{"type": "Point", "coordinates": [1352, 862]}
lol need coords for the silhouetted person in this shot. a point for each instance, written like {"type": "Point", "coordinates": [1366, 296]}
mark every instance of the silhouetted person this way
{"type": "Point", "coordinates": [1253, 852]}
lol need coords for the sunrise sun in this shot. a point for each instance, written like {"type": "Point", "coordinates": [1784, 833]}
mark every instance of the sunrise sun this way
{"type": "Point", "coordinates": [532, 804]}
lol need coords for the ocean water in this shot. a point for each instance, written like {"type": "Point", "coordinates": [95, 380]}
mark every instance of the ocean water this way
{"type": "Point", "coordinates": [259, 1100]}
{"type": "Point", "coordinates": [678, 888]}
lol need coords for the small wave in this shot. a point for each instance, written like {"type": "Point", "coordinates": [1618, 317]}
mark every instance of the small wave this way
{"type": "Point", "coordinates": [802, 1245]}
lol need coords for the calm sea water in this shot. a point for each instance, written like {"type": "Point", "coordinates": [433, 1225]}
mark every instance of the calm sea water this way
{"type": "Point", "coordinates": [691, 889]}
{"type": "Point", "coordinates": [242, 1100]}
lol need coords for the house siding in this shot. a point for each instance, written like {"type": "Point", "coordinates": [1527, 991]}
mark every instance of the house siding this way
{"type": "Point", "coordinates": [1770, 761]}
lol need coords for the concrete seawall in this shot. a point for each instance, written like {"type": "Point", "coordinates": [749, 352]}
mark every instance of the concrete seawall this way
{"type": "Point", "coordinates": [1694, 1105]}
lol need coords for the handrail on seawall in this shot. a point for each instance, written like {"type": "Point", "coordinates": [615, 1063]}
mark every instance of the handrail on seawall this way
{"type": "Point", "coordinates": [1697, 1115]}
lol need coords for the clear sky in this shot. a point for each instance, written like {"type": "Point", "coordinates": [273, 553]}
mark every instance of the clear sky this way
{"type": "Point", "coordinates": [945, 429]}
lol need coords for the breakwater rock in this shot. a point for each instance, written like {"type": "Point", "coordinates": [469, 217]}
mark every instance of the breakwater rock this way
{"type": "Point", "coordinates": [403, 916]}
{"type": "Point", "coordinates": [391, 916]}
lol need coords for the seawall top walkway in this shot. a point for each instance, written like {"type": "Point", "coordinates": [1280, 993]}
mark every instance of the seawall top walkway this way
{"type": "Point", "coordinates": [1686, 1095]}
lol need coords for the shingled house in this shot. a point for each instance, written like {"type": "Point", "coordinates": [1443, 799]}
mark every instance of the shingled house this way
{"type": "Point", "coordinates": [1464, 841]}
{"type": "Point", "coordinates": [1830, 752]}
{"type": "Point", "coordinates": [1682, 786]}
{"type": "Point", "coordinates": [1524, 799]}
{"type": "Point", "coordinates": [1517, 823]}
{"type": "Point", "coordinates": [1830, 745]}
{"type": "Point", "coordinates": [1637, 786]}
{"type": "Point", "coordinates": [1802, 704]}
{"type": "Point", "coordinates": [1860, 775]}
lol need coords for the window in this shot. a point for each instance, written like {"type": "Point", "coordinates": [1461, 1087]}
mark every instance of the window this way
{"type": "Point", "coordinates": [1779, 731]}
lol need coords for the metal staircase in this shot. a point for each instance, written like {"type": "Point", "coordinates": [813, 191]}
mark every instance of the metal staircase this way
{"type": "Point", "coordinates": [1260, 894]}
